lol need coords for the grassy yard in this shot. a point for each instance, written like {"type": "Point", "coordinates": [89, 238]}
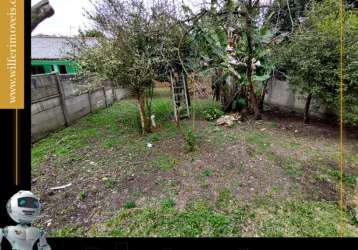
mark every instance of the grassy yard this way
{"type": "Point", "coordinates": [274, 177]}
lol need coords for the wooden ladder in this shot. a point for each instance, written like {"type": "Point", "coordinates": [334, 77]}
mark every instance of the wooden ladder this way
{"type": "Point", "coordinates": [180, 98]}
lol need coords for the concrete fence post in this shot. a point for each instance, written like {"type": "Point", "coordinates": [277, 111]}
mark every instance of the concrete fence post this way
{"type": "Point", "coordinates": [62, 100]}
{"type": "Point", "coordinates": [114, 94]}
{"type": "Point", "coordinates": [89, 100]}
{"type": "Point", "coordinates": [105, 96]}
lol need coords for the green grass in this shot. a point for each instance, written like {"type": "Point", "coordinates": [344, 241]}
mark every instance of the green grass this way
{"type": "Point", "coordinates": [218, 135]}
{"type": "Point", "coordinates": [63, 143]}
{"type": "Point", "coordinates": [207, 172]}
{"type": "Point", "coordinates": [68, 231]}
{"type": "Point", "coordinates": [300, 219]}
{"type": "Point", "coordinates": [129, 205]}
{"type": "Point", "coordinates": [111, 142]}
{"type": "Point", "coordinates": [198, 219]}
{"type": "Point", "coordinates": [224, 198]}
{"type": "Point", "coordinates": [259, 140]}
{"type": "Point", "coordinates": [153, 137]}
{"type": "Point", "coordinates": [164, 162]}
{"type": "Point", "coordinates": [287, 219]}
{"type": "Point", "coordinates": [293, 168]}
{"type": "Point", "coordinates": [347, 179]}
{"type": "Point", "coordinates": [109, 183]}
{"type": "Point", "coordinates": [116, 124]}
{"type": "Point", "coordinates": [195, 220]}
{"type": "Point", "coordinates": [168, 203]}
{"type": "Point", "coordinates": [82, 195]}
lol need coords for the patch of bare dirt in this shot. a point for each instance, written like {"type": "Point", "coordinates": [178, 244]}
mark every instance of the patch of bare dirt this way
{"type": "Point", "coordinates": [232, 169]}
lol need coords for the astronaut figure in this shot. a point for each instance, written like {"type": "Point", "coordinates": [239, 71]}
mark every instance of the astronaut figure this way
{"type": "Point", "coordinates": [24, 207]}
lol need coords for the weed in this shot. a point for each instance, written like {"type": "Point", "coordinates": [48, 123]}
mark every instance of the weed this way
{"type": "Point", "coordinates": [109, 183]}
{"type": "Point", "coordinates": [168, 203]}
{"type": "Point", "coordinates": [110, 142]}
{"type": "Point", "coordinates": [223, 198]}
{"type": "Point", "coordinates": [68, 231]}
{"type": "Point", "coordinates": [275, 189]}
{"type": "Point", "coordinates": [192, 140]}
{"type": "Point", "coordinates": [165, 162]}
{"type": "Point", "coordinates": [207, 172]}
{"type": "Point", "coordinates": [204, 184]}
{"type": "Point", "coordinates": [129, 205]}
{"type": "Point", "coordinates": [154, 137]}
{"type": "Point", "coordinates": [294, 168]}
{"type": "Point", "coordinates": [347, 179]}
{"type": "Point", "coordinates": [320, 178]}
{"type": "Point", "coordinates": [241, 167]}
{"type": "Point", "coordinates": [82, 195]}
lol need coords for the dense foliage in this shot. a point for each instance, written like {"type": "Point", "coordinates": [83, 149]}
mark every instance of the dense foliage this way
{"type": "Point", "coordinates": [236, 46]}
{"type": "Point", "coordinates": [311, 58]}
{"type": "Point", "coordinates": [285, 15]}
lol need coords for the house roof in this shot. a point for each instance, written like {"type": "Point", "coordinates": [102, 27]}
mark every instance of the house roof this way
{"type": "Point", "coordinates": [54, 47]}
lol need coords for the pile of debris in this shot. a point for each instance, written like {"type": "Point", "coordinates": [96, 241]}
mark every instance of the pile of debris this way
{"type": "Point", "coordinates": [228, 120]}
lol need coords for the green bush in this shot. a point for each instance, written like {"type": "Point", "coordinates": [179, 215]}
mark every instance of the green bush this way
{"type": "Point", "coordinates": [239, 104]}
{"type": "Point", "coordinates": [311, 58]}
{"type": "Point", "coordinates": [212, 113]}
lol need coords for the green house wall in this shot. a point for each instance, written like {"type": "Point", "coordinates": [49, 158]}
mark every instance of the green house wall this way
{"type": "Point", "coordinates": [70, 65]}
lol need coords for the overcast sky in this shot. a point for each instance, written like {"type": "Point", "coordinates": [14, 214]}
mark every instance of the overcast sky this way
{"type": "Point", "coordinates": [69, 17]}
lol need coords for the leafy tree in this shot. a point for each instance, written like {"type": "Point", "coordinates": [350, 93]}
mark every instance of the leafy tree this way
{"type": "Point", "coordinates": [311, 58]}
{"type": "Point", "coordinates": [286, 14]}
{"type": "Point", "coordinates": [135, 48]}
{"type": "Point", "coordinates": [233, 42]}
{"type": "Point", "coordinates": [90, 33]}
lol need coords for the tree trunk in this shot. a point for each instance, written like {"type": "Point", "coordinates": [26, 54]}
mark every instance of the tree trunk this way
{"type": "Point", "coordinates": [145, 122]}
{"type": "Point", "coordinates": [40, 12]}
{"type": "Point", "coordinates": [306, 114]}
{"type": "Point", "coordinates": [252, 95]}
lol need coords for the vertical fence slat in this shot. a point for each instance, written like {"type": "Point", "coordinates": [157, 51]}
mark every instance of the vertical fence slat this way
{"type": "Point", "coordinates": [114, 94]}
{"type": "Point", "coordinates": [62, 100]}
{"type": "Point", "coordinates": [89, 100]}
{"type": "Point", "coordinates": [105, 96]}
